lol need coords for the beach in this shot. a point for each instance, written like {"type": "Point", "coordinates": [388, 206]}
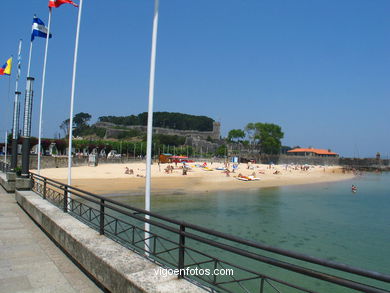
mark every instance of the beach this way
{"type": "Point", "coordinates": [112, 179]}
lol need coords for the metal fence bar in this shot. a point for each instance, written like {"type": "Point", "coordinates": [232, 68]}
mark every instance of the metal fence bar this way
{"type": "Point", "coordinates": [44, 188]}
{"type": "Point", "coordinates": [182, 240]}
{"type": "Point", "coordinates": [101, 228]}
{"type": "Point", "coordinates": [65, 206]}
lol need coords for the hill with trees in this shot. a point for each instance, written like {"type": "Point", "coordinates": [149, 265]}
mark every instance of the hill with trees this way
{"type": "Point", "coordinates": [255, 138]}
{"type": "Point", "coordinates": [170, 120]}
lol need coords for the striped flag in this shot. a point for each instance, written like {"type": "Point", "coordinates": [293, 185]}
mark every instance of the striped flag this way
{"type": "Point", "coordinates": [38, 29]}
{"type": "Point", "coordinates": [58, 3]}
{"type": "Point", "coordinates": [6, 68]}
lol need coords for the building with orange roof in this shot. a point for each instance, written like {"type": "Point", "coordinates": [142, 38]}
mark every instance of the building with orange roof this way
{"type": "Point", "coordinates": [312, 152]}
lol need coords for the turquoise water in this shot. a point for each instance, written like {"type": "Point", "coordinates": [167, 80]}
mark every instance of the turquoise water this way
{"type": "Point", "coordinates": [322, 220]}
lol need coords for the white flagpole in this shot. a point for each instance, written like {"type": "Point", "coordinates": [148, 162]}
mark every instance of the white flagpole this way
{"type": "Point", "coordinates": [19, 59]}
{"type": "Point", "coordinates": [15, 122]}
{"type": "Point", "coordinates": [29, 59]}
{"type": "Point", "coordinates": [30, 53]}
{"type": "Point", "coordinates": [72, 95]}
{"type": "Point", "coordinates": [43, 91]}
{"type": "Point", "coordinates": [150, 122]}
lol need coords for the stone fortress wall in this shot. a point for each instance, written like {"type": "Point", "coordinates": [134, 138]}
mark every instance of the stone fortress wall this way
{"type": "Point", "coordinates": [112, 130]}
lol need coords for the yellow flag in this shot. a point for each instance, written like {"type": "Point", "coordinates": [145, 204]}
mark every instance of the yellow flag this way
{"type": "Point", "coordinates": [6, 68]}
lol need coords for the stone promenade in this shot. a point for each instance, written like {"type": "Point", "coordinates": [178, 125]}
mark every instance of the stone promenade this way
{"type": "Point", "coordinates": [30, 261]}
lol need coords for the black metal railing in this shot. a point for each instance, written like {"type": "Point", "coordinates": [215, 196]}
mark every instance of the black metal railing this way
{"type": "Point", "coordinates": [193, 249]}
{"type": "Point", "coordinates": [4, 167]}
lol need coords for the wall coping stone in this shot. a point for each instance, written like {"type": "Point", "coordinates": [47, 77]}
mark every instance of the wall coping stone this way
{"type": "Point", "coordinates": [8, 185]}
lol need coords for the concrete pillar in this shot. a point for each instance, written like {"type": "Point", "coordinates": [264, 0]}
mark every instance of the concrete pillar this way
{"type": "Point", "coordinates": [28, 102]}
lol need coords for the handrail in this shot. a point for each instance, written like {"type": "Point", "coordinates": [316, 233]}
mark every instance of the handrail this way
{"type": "Point", "coordinates": [136, 213]}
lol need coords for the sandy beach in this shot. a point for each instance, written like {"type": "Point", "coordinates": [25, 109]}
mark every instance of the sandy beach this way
{"type": "Point", "coordinates": [111, 178]}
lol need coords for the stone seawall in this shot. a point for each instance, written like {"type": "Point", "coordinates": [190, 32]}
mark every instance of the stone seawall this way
{"type": "Point", "coordinates": [365, 163]}
{"type": "Point", "coordinates": [299, 160]}
{"type": "Point", "coordinates": [62, 162]}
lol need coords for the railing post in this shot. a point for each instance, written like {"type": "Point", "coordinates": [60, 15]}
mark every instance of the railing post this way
{"type": "Point", "coordinates": [44, 188]}
{"type": "Point", "coordinates": [181, 251]}
{"type": "Point", "coordinates": [101, 226]}
{"type": "Point", "coordinates": [66, 199]}
{"type": "Point", "coordinates": [262, 285]}
{"type": "Point", "coordinates": [215, 267]}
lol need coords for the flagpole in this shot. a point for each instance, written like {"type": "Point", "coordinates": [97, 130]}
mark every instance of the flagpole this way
{"type": "Point", "coordinates": [15, 122]}
{"type": "Point", "coordinates": [43, 91]}
{"type": "Point", "coordinates": [72, 95]}
{"type": "Point", "coordinates": [6, 146]}
{"type": "Point", "coordinates": [19, 59]}
{"type": "Point", "coordinates": [150, 122]}
{"type": "Point", "coordinates": [29, 58]}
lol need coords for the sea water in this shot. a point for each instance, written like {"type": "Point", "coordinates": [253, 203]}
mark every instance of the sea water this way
{"type": "Point", "coordinates": [324, 220]}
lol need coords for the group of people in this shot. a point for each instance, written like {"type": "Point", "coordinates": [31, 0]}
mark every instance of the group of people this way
{"type": "Point", "coordinates": [169, 169]}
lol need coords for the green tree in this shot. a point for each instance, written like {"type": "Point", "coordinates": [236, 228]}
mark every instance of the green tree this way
{"type": "Point", "coordinates": [80, 123]}
{"type": "Point", "coordinates": [268, 136]}
{"type": "Point", "coordinates": [236, 134]}
{"type": "Point", "coordinates": [251, 131]}
{"type": "Point", "coordinates": [221, 151]}
{"type": "Point", "coordinates": [81, 119]}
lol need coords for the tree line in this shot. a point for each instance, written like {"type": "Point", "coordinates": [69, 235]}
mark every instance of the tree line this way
{"type": "Point", "coordinates": [170, 120]}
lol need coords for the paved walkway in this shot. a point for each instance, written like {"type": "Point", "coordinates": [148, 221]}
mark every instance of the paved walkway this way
{"type": "Point", "coordinates": [29, 261]}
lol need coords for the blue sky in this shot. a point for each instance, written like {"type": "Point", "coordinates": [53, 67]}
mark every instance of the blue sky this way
{"type": "Point", "coordinates": [319, 69]}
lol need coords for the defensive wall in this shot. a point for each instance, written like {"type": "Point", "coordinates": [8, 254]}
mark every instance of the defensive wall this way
{"type": "Point", "coordinates": [113, 130]}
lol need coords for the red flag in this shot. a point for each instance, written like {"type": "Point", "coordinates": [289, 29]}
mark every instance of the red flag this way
{"type": "Point", "coordinates": [58, 3]}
